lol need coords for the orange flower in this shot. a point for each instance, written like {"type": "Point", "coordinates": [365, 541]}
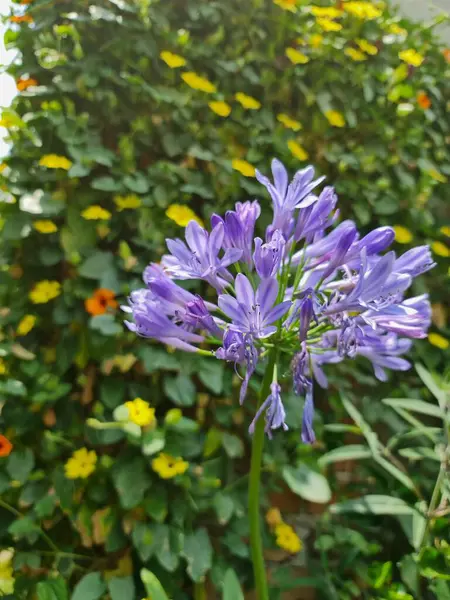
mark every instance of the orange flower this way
{"type": "Point", "coordinates": [21, 19]}
{"type": "Point", "coordinates": [423, 100]}
{"type": "Point", "coordinates": [23, 84]}
{"type": "Point", "coordinates": [446, 53]}
{"type": "Point", "coordinates": [5, 446]}
{"type": "Point", "coordinates": [100, 301]}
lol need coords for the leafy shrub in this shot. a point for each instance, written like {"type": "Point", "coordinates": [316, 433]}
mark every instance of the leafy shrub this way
{"type": "Point", "coordinates": [109, 132]}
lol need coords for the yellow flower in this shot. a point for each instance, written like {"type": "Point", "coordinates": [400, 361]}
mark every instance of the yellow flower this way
{"type": "Point", "coordinates": [244, 167]}
{"type": "Point", "coordinates": [438, 340]}
{"type": "Point", "coordinates": [26, 324]}
{"type": "Point", "coordinates": [296, 57]}
{"type": "Point", "coordinates": [367, 47]}
{"type": "Point", "coordinates": [174, 61]}
{"type": "Point", "coordinates": [435, 174]}
{"type": "Point", "coordinates": [316, 40]}
{"type": "Point", "coordinates": [81, 464]}
{"type": "Point", "coordinates": [297, 150]}
{"type": "Point", "coordinates": [440, 249]}
{"type": "Point", "coordinates": [220, 108]}
{"type": "Point", "coordinates": [129, 202]}
{"type": "Point", "coordinates": [140, 412]}
{"type": "Point", "coordinates": [6, 572]}
{"type": "Point", "coordinates": [411, 57]}
{"type": "Point", "coordinates": [45, 226]}
{"type": "Point", "coordinates": [326, 12]}
{"type": "Point", "coordinates": [288, 122]}
{"type": "Point", "coordinates": [198, 83]}
{"type": "Point", "coordinates": [335, 118]}
{"type": "Point", "coordinates": [247, 101]}
{"type": "Point", "coordinates": [44, 291]}
{"type": "Point", "coordinates": [287, 539]}
{"type": "Point", "coordinates": [395, 29]}
{"type": "Point", "coordinates": [3, 167]}
{"type": "Point", "coordinates": [445, 230]}
{"type": "Point", "coordinates": [362, 10]}
{"type": "Point", "coordinates": [96, 213]}
{"type": "Point", "coordinates": [328, 25]}
{"type": "Point", "coordinates": [355, 54]}
{"type": "Point", "coordinates": [402, 234]}
{"type": "Point", "coordinates": [53, 161]}
{"type": "Point", "coordinates": [290, 5]}
{"type": "Point", "coordinates": [273, 517]}
{"type": "Point", "coordinates": [168, 467]}
{"type": "Point", "coordinates": [182, 215]}
{"type": "Point", "coordinates": [3, 367]}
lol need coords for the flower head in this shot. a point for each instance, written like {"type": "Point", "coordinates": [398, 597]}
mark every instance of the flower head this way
{"type": "Point", "coordinates": [355, 54]}
{"type": "Point", "coordinates": [220, 108]}
{"type": "Point", "coordinates": [5, 446]}
{"type": "Point", "coordinates": [44, 291]}
{"type": "Point", "coordinates": [26, 324]}
{"type": "Point", "coordinates": [174, 61]}
{"type": "Point", "coordinates": [296, 57]}
{"type": "Point", "coordinates": [298, 151]}
{"type": "Point", "coordinates": [140, 412]}
{"type": "Point", "coordinates": [247, 102]}
{"type": "Point", "coordinates": [129, 202]}
{"type": "Point", "coordinates": [328, 25]}
{"type": "Point", "coordinates": [244, 167]}
{"type": "Point", "coordinates": [182, 215]}
{"type": "Point", "coordinates": [25, 82]}
{"type": "Point", "coordinates": [402, 234]}
{"type": "Point", "coordinates": [100, 302]}
{"type": "Point", "coordinates": [335, 118]}
{"type": "Point", "coordinates": [45, 226]}
{"type": "Point", "coordinates": [81, 464]}
{"type": "Point", "coordinates": [96, 213]}
{"type": "Point", "coordinates": [168, 466]}
{"type": "Point", "coordinates": [290, 5]}
{"type": "Point", "coordinates": [288, 122]}
{"type": "Point", "coordinates": [287, 539]}
{"type": "Point", "coordinates": [196, 82]}
{"type": "Point", "coordinates": [411, 57]}
{"type": "Point", "coordinates": [438, 340]}
{"type": "Point", "coordinates": [54, 161]}
{"type": "Point", "coordinates": [275, 413]}
{"type": "Point", "coordinates": [362, 9]}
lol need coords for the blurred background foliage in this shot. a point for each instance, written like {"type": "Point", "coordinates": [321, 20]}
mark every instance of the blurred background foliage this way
{"type": "Point", "coordinates": [134, 116]}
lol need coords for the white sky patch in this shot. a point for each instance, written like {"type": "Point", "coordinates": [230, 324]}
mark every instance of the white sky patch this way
{"type": "Point", "coordinates": [8, 89]}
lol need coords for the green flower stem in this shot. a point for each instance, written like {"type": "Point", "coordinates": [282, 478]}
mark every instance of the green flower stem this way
{"type": "Point", "coordinates": [259, 568]}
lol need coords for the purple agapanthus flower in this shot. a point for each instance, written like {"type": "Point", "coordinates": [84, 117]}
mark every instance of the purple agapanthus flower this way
{"type": "Point", "coordinates": [307, 293]}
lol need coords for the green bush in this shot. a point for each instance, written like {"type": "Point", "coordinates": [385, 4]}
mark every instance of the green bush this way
{"type": "Point", "coordinates": [109, 133]}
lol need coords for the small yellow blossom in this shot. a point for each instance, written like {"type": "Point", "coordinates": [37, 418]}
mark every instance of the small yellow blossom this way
{"type": "Point", "coordinates": [273, 517]}
{"type": "Point", "coordinates": [3, 167]}
{"type": "Point", "coordinates": [288, 122]}
{"type": "Point", "coordinates": [6, 572]}
{"type": "Point", "coordinates": [3, 367]}
{"type": "Point", "coordinates": [326, 12]}
{"type": "Point", "coordinates": [196, 82]}
{"type": "Point", "coordinates": [297, 150]}
{"type": "Point", "coordinates": [140, 412]}
{"type": "Point", "coordinates": [296, 57]}
{"type": "Point", "coordinates": [168, 466]}
{"type": "Point", "coordinates": [220, 108]}
{"type": "Point", "coordinates": [437, 176]}
{"type": "Point", "coordinates": [54, 161]}
{"type": "Point", "coordinates": [395, 29]}
{"type": "Point", "coordinates": [96, 213]}
{"type": "Point", "coordinates": [316, 40]}
{"type": "Point", "coordinates": [26, 324]}
{"type": "Point", "coordinates": [290, 5]}
{"type": "Point", "coordinates": [44, 291]}
{"type": "Point", "coordinates": [287, 539]}
{"type": "Point", "coordinates": [328, 25]}
{"type": "Point", "coordinates": [335, 118]}
{"type": "Point", "coordinates": [367, 47]}
{"type": "Point", "coordinates": [355, 54]}
{"type": "Point", "coordinates": [411, 57]}
{"type": "Point", "coordinates": [445, 230]}
{"type": "Point", "coordinates": [362, 10]}
{"type": "Point", "coordinates": [438, 340]}
{"type": "Point", "coordinates": [81, 464]}
{"type": "Point", "coordinates": [440, 249]}
{"type": "Point", "coordinates": [174, 61]}
{"type": "Point", "coordinates": [248, 102]}
{"type": "Point", "coordinates": [129, 202]}
{"type": "Point", "coordinates": [244, 167]}
{"type": "Point", "coordinates": [45, 226]}
{"type": "Point", "coordinates": [182, 215]}
{"type": "Point", "coordinates": [402, 234]}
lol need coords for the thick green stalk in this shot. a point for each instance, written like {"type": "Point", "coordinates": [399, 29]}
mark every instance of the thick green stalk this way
{"type": "Point", "coordinates": [259, 568]}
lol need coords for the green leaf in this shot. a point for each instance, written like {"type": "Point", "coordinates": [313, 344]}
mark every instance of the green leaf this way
{"type": "Point", "coordinates": [121, 588]}
{"type": "Point", "coordinates": [138, 184]}
{"type": "Point", "coordinates": [153, 442]}
{"type": "Point", "coordinates": [428, 379]}
{"type": "Point", "coordinates": [180, 390]}
{"type": "Point", "coordinates": [213, 441]}
{"type": "Point", "coordinates": [106, 184]}
{"type": "Point", "coordinates": [373, 504]}
{"type": "Point", "coordinates": [155, 359]}
{"type": "Point", "coordinates": [144, 540]}
{"type": "Point", "coordinates": [234, 446]}
{"type": "Point", "coordinates": [419, 453]}
{"type": "Point", "coordinates": [95, 266]}
{"type": "Point", "coordinates": [20, 464]}
{"type": "Point", "coordinates": [211, 375]}
{"type": "Point", "coordinates": [224, 507]}
{"type": "Point", "coordinates": [105, 324]}
{"type": "Point", "coordinates": [395, 472]}
{"type": "Point", "coordinates": [53, 589]}
{"type": "Point", "coordinates": [22, 527]}
{"type": "Point", "coordinates": [231, 587]}
{"type": "Point", "coordinates": [308, 484]}
{"type": "Point", "coordinates": [131, 481]}
{"type": "Point", "coordinates": [168, 544]}
{"type": "Point", "coordinates": [350, 452]}
{"type": "Point", "coordinates": [13, 387]}
{"type": "Point", "coordinates": [198, 554]}
{"type": "Point", "coordinates": [368, 433]}
{"type": "Point", "coordinates": [153, 588]}
{"type": "Point", "coordinates": [425, 408]}
{"type": "Point", "coordinates": [90, 587]}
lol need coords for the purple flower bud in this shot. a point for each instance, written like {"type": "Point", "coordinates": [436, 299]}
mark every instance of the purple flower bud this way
{"type": "Point", "coordinates": [308, 435]}
{"type": "Point", "coordinates": [197, 316]}
{"type": "Point", "coordinates": [301, 371]}
{"type": "Point", "coordinates": [349, 338]}
{"type": "Point", "coordinates": [414, 262]}
{"type": "Point", "coordinates": [240, 349]}
{"type": "Point", "coordinates": [268, 257]}
{"type": "Point", "coordinates": [275, 413]}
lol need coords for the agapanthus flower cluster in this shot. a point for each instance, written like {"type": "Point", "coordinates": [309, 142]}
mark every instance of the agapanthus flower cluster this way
{"type": "Point", "coordinates": [308, 293]}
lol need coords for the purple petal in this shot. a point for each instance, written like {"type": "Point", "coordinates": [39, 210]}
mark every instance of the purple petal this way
{"type": "Point", "coordinates": [266, 295]}
{"type": "Point", "coordinates": [244, 291]}
{"type": "Point", "coordinates": [196, 238]}
{"type": "Point", "coordinates": [277, 312]}
{"type": "Point", "coordinates": [231, 307]}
